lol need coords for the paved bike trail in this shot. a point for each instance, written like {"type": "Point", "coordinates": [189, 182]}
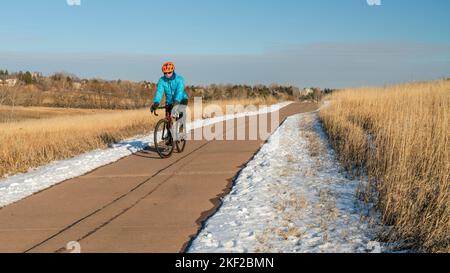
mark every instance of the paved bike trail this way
{"type": "Point", "coordinates": [138, 204]}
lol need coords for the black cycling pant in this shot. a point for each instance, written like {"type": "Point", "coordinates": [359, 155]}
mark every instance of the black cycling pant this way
{"type": "Point", "coordinates": [169, 107]}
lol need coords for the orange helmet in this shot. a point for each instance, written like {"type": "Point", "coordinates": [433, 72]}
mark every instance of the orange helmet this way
{"type": "Point", "coordinates": [168, 67]}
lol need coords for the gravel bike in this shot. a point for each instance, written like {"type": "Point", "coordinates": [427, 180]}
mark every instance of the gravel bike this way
{"type": "Point", "coordinates": [163, 135]}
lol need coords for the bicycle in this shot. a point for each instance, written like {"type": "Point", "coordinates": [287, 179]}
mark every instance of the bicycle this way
{"type": "Point", "coordinates": [163, 137]}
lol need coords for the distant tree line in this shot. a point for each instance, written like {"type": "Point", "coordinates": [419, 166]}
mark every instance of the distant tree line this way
{"type": "Point", "coordinates": [218, 92]}
{"type": "Point", "coordinates": [67, 90]}
{"type": "Point", "coordinates": [4, 72]}
{"type": "Point", "coordinates": [25, 78]}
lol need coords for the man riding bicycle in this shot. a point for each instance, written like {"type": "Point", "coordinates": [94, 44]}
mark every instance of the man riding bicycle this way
{"type": "Point", "coordinates": [172, 86]}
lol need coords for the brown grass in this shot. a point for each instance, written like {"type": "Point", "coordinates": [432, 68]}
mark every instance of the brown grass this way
{"type": "Point", "coordinates": [70, 132]}
{"type": "Point", "coordinates": [33, 143]}
{"type": "Point", "coordinates": [270, 100]}
{"type": "Point", "coordinates": [400, 134]}
{"type": "Point", "coordinates": [315, 145]}
{"type": "Point", "coordinates": [20, 113]}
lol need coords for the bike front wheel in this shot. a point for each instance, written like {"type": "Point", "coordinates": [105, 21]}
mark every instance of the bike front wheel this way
{"type": "Point", "coordinates": [163, 139]}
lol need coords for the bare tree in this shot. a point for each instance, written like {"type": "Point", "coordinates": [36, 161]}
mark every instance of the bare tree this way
{"type": "Point", "coordinates": [12, 97]}
{"type": "Point", "coordinates": [3, 95]}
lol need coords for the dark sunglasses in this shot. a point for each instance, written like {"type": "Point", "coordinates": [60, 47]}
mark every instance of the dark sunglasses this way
{"type": "Point", "coordinates": [168, 73]}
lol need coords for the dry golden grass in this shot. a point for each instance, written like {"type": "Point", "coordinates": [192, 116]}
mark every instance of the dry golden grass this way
{"type": "Point", "coordinates": [35, 142]}
{"type": "Point", "coordinates": [257, 101]}
{"type": "Point", "coordinates": [239, 102]}
{"type": "Point", "coordinates": [20, 113]}
{"type": "Point", "coordinates": [316, 146]}
{"type": "Point", "coordinates": [32, 143]}
{"type": "Point", "coordinates": [400, 134]}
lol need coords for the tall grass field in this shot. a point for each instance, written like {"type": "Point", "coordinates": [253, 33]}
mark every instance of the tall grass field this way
{"type": "Point", "coordinates": [399, 137]}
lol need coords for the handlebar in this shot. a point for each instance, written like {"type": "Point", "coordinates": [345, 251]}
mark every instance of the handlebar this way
{"type": "Point", "coordinates": [159, 108]}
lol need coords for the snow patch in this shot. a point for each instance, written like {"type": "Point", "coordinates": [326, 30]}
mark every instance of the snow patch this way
{"type": "Point", "coordinates": [291, 198]}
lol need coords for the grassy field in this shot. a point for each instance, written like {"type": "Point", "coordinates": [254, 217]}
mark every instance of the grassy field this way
{"type": "Point", "coordinates": [19, 113]}
{"type": "Point", "coordinates": [45, 134]}
{"type": "Point", "coordinates": [399, 136]}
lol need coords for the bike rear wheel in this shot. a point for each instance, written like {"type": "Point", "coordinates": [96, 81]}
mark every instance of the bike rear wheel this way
{"type": "Point", "coordinates": [181, 144]}
{"type": "Point", "coordinates": [163, 139]}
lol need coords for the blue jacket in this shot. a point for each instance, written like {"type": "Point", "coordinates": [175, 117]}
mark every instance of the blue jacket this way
{"type": "Point", "coordinates": [173, 88]}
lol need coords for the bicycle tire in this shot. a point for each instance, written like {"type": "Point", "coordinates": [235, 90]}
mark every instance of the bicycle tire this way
{"type": "Point", "coordinates": [164, 150]}
{"type": "Point", "coordinates": [181, 144]}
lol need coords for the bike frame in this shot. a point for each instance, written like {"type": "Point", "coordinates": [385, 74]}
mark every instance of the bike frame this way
{"type": "Point", "coordinates": [169, 118]}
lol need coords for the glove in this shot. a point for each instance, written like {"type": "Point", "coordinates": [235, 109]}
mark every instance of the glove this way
{"type": "Point", "coordinates": [154, 107]}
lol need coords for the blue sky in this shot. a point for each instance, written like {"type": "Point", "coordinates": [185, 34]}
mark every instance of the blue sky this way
{"type": "Point", "coordinates": [302, 42]}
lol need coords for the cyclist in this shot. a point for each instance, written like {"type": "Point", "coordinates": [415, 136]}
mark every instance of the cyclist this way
{"type": "Point", "coordinates": [172, 86]}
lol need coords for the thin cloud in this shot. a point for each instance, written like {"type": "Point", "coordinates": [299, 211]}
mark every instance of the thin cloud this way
{"type": "Point", "coordinates": [73, 2]}
{"type": "Point", "coordinates": [374, 2]}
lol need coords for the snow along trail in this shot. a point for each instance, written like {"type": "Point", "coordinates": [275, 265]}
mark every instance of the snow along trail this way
{"type": "Point", "coordinates": [291, 198]}
{"type": "Point", "coordinates": [17, 187]}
